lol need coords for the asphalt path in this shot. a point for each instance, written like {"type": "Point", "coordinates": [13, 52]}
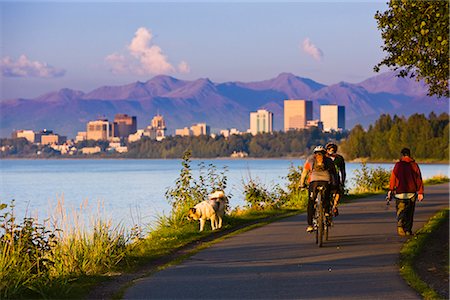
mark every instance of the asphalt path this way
{"type": "Point", "coordinates": [282, 261]}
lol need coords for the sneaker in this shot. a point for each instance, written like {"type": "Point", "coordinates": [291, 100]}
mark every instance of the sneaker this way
{"type": "Point", "coordinates": [408, 233]}
{"type": "Point", "coordinates": [400, 231]}
{"type": "Point", "coordinates": [309, 229]}
{"type": "Point", "coordinates": [327, 215]}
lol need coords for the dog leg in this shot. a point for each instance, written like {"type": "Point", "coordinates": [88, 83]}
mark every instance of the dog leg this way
{"type": "Point", "coordinates": [220, 222]}
{"type": "Point", "coordinates": [202, 224]}
{"type": "Point", "coordinates": [213, 222]}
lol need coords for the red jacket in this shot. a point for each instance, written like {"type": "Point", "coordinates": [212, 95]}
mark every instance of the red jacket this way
{"type": "Point", "coordinates": [406, 177]}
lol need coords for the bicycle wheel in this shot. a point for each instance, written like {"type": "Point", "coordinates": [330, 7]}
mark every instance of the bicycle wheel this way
{"type": "Point", "coordinates": [320, 220]}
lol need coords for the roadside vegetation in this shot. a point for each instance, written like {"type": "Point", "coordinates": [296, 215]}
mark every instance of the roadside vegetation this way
{"type": "Point", "coordinates": [411, 253]}
{"type": "Point", "coordinates": [64, 257]}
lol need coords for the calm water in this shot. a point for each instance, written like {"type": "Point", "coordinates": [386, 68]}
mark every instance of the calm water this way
{"type": "Point", "coordinates": [131, 191]}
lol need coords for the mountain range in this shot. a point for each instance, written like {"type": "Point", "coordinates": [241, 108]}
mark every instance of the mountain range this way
{"type": "Point", "coordinates": [220, 105]}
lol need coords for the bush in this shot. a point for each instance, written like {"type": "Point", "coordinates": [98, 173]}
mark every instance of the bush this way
{"type": "Point", "coordinates": [189, 191]}
{"type": "Point", "coordinates": [371, 180]}
{"type": "Point", "coordinates": [40, 261]}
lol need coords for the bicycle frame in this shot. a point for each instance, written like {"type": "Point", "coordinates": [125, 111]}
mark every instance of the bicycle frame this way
{"type": "Point", "coordinates": [320, 222]}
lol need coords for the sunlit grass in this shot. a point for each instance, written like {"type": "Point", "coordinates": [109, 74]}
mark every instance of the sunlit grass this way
{"type": "Point", "coordinates": [412, 250]}
{"type": "Point", "coordinates": [45, 259]}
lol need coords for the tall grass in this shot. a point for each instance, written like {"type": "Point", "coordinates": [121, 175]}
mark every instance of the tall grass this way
{"type": "Point", "coordinates": [41, 259]}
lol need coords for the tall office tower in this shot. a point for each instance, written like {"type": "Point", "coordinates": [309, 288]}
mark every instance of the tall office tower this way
{"type": "Point", "coordinates": [124, 125]}
{"type": "Point", "coordinates": [200, 129]}
{"type": "Point", "coordinates": [332, 117]}
{"type": "Point", "coordinates": [297, 113]}
{"type": "Point", "coordinates": [99, 130]}
{"type": "Point", "coordinates": [261, 121]}
{"type": "Point", "coordinates": [159, 126]}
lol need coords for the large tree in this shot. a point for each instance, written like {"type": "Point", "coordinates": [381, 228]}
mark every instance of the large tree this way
{"type": "Point", "coordinates": [415, 35]}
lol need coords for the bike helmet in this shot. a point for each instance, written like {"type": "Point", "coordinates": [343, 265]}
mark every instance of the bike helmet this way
{"type": "Point", "coordinates": [319, 148]}
{"type": "Point", "coordinates": [332, 146]}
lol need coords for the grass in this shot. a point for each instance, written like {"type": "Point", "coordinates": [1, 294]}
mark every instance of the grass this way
{"type": "Point", "coordinates": [438, 179]}
{"type": "Point", "coordinates": [412, 250]}
{"type": "Point", "coordinates": [65, 258]}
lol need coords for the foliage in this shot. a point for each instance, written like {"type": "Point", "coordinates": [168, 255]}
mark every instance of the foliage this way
{"type": "Point", "coordinates": [371, 180]}
{"type": "Point", "coordinates": [415, 35]}
{"type": "Point", "coordinates": [428, 138]}
{"type": "Point", "coordinates": [438, 179]}
{"type": "Point", "coordinates": [260, 197]}
{"type": "Point", "coordinates": [37, 260]}
{"type": "Point", "coordinates": [189, 191]}
{"type": "Point", "coordinates": [277, 144]}
{"type": "Point", "coordinates": [412, 249]}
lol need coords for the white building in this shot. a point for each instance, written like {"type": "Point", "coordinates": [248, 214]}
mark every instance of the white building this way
{"type": "Point", "coordinates": [261, 122]}
{"type": "Point", "coordinates": [332, 117]}
{"type": "Point", "coordinates": [200, 129]}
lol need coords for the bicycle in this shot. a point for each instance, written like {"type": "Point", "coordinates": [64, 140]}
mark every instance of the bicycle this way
{"type": "Point", "coordinates": [321, 223]}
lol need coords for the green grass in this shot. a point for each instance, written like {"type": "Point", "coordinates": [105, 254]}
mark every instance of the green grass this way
{"type": "Point", "coordinates": [438, 179]}
{"type": "Point", "coordinates": [69, 263]}
{"type": "Point", "coordinates": [411, 251]}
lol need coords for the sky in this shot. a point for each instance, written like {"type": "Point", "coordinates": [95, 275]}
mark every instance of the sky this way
{"type": "Point", "coordinates": [47, 46]}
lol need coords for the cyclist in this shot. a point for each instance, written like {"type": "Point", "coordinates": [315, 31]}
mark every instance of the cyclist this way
{"type": "Point", "coordinates": [339, 162]}
{"type": "Point", "coordinates": [322, 172]}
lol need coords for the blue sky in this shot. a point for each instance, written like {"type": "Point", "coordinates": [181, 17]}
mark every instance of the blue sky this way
{"type": "Point", "coordinates": [46, 46]}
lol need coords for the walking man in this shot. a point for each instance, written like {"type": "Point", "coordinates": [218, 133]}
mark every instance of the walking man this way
{"type": "Point", "coordinates": [406, 186]}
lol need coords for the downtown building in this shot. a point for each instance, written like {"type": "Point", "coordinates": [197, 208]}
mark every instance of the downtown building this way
{"type": "Point", "coordinates": [99, 130]}
{"type": "Point", "coordinates": [332, 117]}
{"type": "Point", "coordinates": [124, 125]}
{"type": "Point", "coordinates": [261, 121]}
{"type": "Point", "coordinates": [297, 114]}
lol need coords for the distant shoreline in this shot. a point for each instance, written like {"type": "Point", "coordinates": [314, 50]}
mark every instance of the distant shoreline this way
{"type": "Point", "coordinates": [374, 161]}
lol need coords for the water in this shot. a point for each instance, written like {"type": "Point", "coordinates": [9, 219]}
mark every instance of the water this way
{"type": "Point", "coordinates": [132, 191]}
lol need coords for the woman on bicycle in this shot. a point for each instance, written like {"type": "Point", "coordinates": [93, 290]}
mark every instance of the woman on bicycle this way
{"type": "Point", "coordinates": [322, 172]}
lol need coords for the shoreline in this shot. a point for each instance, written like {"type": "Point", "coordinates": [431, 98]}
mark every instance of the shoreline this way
{"type": "Point", "coordinates": [359, 160]}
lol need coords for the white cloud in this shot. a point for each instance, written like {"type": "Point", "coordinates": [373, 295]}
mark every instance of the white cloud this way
{"type": "Point", "coordinates": [23, 67]}
{"type": "Point", "coordinates": [312, 49]}
{"type": "Point", "coordinates": [144, 57]}
{"type": "Point", "coordinates": [183, 67]}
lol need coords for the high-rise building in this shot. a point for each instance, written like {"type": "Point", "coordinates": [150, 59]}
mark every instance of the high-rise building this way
{"type": "Point", "coordinates": [261, 121]}
{"type": "Point", "coordinates": [159, 125]}
{"type": "Point", "coordinates": [124, 125]}
{"type": "Point", "coordinates": [297, 113]}
{"type": "Point", "coordinates": [200, 129]}
{"type": "Point", "coordinates": [99, 130]}
{"type": "Point", "coordinates": [332, 117]}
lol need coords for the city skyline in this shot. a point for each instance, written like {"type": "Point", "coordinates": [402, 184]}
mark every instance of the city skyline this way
{"type": "Point", "coordinates": [119, 43]}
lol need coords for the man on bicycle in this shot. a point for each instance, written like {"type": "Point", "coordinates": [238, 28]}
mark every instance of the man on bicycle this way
{"type": "Point", "coordinates": [322, 172]}
{"type": "Point", "coordinates": [339, 163]}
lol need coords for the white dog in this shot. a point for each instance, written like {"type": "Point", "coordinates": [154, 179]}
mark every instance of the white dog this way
{"type": "Point", "coordinates": [212, 209]}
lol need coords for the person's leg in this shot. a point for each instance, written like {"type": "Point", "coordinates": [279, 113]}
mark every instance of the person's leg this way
{"type": "Point", "coordinates": [409, 215]}
{"type": "Point", "coordinates": [311, 199]}
{"type": "Point", "coordinates": [401, 215]}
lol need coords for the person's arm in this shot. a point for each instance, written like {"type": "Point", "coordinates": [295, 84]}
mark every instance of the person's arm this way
{"type": "Point", "coordinates": [419, 182]}
{"type": "Point", "coordinates": [393, 181]}
{"type": "Point", "coordinates": [343, 172]}
{"type": "Point", "coordinates": [305, 172]}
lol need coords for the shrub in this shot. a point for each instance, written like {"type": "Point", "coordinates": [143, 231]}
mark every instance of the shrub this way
{"type": "Point", "coordinates": [189, 191]}
{"type": "Point", "coordinates": [371, 180]}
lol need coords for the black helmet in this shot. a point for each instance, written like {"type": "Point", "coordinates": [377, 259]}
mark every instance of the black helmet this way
{"type": "Point", "coordinates": [332, 146]}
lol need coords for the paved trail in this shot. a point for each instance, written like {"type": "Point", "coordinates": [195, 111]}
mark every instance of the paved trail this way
{"type": "Point", "coordinates": [281, 261]}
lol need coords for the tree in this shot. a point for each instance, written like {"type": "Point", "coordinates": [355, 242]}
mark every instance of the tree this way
{"type": "Point", "coordinates": [415, 35]}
